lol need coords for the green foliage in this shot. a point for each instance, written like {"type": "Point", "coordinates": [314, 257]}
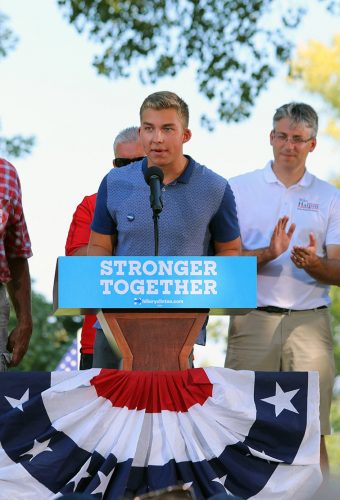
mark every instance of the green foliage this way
{"type": "Point", "coordinates": [218, 327]}
{"type": "Point", "coordinates": [317, 67]}
{"type": "Point", "coordinates": [335, 415]}
{"type": "Point", "coordinates": [337, 357]}
{"type": "Point", "coordinates": [333, 441]}
{"type": "Point", "coordinates": [335, 316]}
{"type": "Point", "coordinates": [51, 337]}
{"type": "Point", "coordinates": [16, 146]}
{"type": "Point", "coordinates": [333, 449]}
{"type": "Point", "coordinates": [7, 39]}
{"type": "Point", "coordinates": [234, 46]}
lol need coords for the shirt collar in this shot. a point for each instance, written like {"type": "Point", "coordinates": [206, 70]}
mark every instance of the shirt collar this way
{"type": "Point", "coordinates": [270, 177]}
{"type": "Point", "coordinates": [185, 175]}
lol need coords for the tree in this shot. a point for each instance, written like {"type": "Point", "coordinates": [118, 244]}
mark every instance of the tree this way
{"type": "Point", "coordinates": [317, 67]}
{"type": "Point", "coordinates": [51, 336]}
{"type": "Point", "coordinates": [8, 40]}
{"type": "Point", "coordinates": [234, 46]}
{"type": "Point", "coordinates": [17, 145]}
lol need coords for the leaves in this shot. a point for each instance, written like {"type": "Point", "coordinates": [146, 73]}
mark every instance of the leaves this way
{"type": "Point", "coordinates": [8, 40]}
{"type": "Point", "coordinates": [317, 67]}
{"type": "Point", "coordinates": [233, 46]}
{"type": "Point", "coordinates": [16, 146]}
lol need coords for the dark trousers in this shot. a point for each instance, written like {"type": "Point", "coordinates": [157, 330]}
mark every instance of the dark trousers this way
{"type": "Point", "coordinates": [86, 361]}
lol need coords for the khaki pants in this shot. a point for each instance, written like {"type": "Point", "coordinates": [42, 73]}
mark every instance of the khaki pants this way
{"type": "Point", "coordinates": [299, 341]}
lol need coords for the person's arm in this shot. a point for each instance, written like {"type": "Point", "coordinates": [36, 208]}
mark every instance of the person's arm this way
{"type": "Point", "coordinates": [19, 289]}
{"type": "Point", "coordinates": [279, 243]}
{"type": "Point", "coordinates": [100, 244]}
{"type": "Point", "coordinates": [81, 252]}
{"type": "Point", "coordinates": [323, 269]}
{"type": "Point", "coordinates": [232, 247]}
{"type": "Point", "coordinates": [224, 227]}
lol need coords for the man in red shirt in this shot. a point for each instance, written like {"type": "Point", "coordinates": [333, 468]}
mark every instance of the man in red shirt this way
{"type": "Point", "coordinates": [127, 148]}
{"type": "Point", "coordinates": [15, 249]}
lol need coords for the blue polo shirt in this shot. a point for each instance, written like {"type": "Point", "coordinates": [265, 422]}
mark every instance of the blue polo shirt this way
{"type": "Point", "coordinates": [198, 208]}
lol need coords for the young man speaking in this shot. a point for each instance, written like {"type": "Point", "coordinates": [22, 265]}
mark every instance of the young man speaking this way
{"type": "Point", "coordinates": [199, 214]}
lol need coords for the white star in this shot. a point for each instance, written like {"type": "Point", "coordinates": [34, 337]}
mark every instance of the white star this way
{"type": "Point", "coordinates": [17, 403]}
{"type": "Point", "coordinates": [104, 481]}
{"type": "Point", "coordinates": [37, 448]}
{"type": "Point", "coordinates": [187, 486]}
{"type": "Point", "coordinates": [222, 480]}
{"type": "Point", "coordinates": [282, 400]}
{"type": "Point", "coordinates": [262, 454]}
{"type": "Point", "coordinates": [81, 474]}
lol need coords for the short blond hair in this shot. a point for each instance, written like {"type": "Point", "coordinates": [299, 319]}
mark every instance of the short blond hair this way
{"type": "Point", "coordinates": [166, 100]}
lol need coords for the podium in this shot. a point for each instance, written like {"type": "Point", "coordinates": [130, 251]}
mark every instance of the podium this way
{"type": "Point", "coordinates": [152, 309]}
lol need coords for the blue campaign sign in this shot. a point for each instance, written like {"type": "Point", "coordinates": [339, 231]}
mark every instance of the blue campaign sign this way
{"type": "Point", "coordinates": [156, 282]}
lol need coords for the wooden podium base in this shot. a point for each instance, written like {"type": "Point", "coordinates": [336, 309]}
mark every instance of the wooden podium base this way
{"type": "Point", "coordinates": [153, 340]}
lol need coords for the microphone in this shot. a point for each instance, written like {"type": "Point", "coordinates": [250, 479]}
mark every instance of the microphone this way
{"type": "Point", "coordinates": [154, 177]}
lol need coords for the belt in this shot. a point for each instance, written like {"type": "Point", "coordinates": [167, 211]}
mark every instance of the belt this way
{"type": "Point", "coordinates": [281, 310]}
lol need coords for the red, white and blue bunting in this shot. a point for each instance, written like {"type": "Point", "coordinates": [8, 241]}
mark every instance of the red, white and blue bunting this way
{"type": "Point", "coordinates": [253, 434]}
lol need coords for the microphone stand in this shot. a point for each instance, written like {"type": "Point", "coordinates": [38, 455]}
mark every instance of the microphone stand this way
{"type": "Point", "coordinates": [154, 177]}
{"type": "Point", "coordinates": [155, 230]}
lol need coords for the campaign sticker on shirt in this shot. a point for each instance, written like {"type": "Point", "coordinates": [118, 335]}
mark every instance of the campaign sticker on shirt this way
{"type": "Point", "coordinates": [308, 205]}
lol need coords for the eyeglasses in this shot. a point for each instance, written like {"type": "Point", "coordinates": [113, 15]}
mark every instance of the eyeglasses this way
{"type": "Point", "coordinates": [122, 162]}
{"type": "Point", "coordinates": [296, 139]}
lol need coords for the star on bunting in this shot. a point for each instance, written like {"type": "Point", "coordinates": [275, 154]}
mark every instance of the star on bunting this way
{"type": "Point", "coordinates": [222, 480]}
{"type": "Point", "coordinates": [282, 400]}
{"type": "Point", "coordinates": [37, 449]}
{"type": "Point", "coordinates": [103, 482]}
{"type": "Point", "coordinates": [262, 454]}
{"type": "Point", "coordinates": [82, 474]}
{"type": "Point", "coordinates": [17, 403]}
{"type": "Point", "coordinates": [187, 486]}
